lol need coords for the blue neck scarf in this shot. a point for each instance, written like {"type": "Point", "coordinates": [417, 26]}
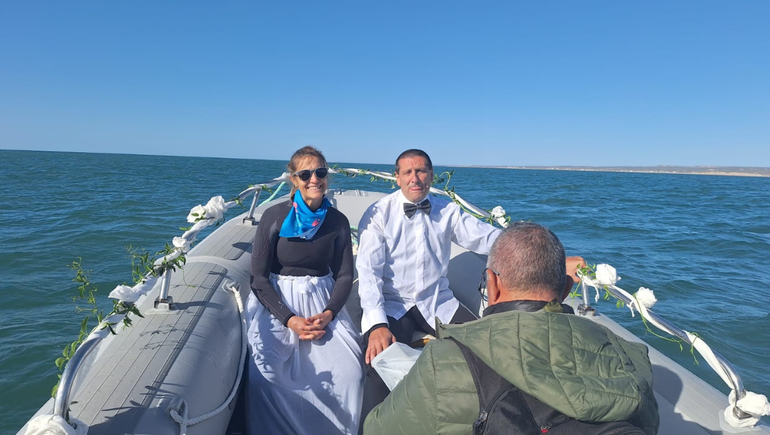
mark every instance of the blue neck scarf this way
{"type": "Point", "coordinates": [301, 221]}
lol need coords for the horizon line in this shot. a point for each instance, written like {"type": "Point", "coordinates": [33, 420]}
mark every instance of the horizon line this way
{"type": "Point", "coordinates": [604, 168]}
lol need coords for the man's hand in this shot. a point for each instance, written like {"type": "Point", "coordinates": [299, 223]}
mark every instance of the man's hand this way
{"type": "Point", "coordinates": [379, 340]}
{"type": "Point", "coordinates": [573, 264]}
{"type": "Point", "coordinates": [305, 329]}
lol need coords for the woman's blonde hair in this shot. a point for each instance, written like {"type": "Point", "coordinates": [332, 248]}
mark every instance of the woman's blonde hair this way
{"type": "Point", "coordinates": [302, 153]}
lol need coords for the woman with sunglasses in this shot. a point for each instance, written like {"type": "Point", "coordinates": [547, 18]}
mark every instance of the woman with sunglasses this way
{"type": "Point", "coordinates": [306, 368]}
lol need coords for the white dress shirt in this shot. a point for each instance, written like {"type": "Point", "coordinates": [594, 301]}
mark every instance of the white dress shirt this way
{"type": "Point", "coordinates": [402, 262]}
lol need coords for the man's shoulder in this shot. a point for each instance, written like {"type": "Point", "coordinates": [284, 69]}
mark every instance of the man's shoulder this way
{"type": "Point", "coordinates": [381, 206]}
{"type": "Point", "coordinates": [442, 202]}
{"type": "Point", "coordinates": [442, 351]}
{"type": "Point", "coordinates": [443, 363]}
{"type": "Point", "coordinates": [386, 200]}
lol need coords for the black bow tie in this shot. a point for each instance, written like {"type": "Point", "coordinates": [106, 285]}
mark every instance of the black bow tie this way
{"type": "Point", "coordinates": [410, 209]}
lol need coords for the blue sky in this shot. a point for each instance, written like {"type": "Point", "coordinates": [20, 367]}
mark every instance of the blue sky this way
{"type": "Point", "coordinates": [597, 83]}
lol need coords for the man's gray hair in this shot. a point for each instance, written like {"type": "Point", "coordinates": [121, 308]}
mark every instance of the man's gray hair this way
{"type": "Point", "coordinates": [530, 260]}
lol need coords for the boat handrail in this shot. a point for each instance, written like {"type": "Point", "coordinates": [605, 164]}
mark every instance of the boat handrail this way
{"type": "Point", "coordinates": [67, 381]}
{"type": "Point", "coordinates": [61, 400]}
{"type": "Point", "coordinates": [721, 366]}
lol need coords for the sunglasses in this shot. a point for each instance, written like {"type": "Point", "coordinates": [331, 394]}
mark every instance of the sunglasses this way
{"type": "Point", "coordinates": [483, 283]}
{"type": "Point", "coordinates": [305, 175]}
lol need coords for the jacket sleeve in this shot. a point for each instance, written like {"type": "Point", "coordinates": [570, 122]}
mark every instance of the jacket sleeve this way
{"type": "Point", "coordinates": [262, 254]}
{"type": "Point", "coordinates": [342, 267]}
{"type": "Point", "coordinates": [647, 416]}
{"type": "Point", "coordinates": [411, 407]}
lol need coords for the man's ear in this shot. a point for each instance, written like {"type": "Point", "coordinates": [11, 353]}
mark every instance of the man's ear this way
{"type": "Point", "coordinates": [493, 287]}
{"type": "Point", "coordinates": [569, 282]}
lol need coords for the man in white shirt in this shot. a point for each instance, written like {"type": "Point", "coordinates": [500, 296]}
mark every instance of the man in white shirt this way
{"type": "Point", "coordinates": [404, 246]}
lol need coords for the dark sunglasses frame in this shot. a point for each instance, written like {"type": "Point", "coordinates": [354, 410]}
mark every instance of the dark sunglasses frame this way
{"type": "Point", "coordinates": [483, 283]}
{"type": "Point", "coordinates": [305, 175]}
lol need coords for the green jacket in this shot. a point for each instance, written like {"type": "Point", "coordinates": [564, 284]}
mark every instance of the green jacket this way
{"type": "Point", "coordinates": [572, 364]}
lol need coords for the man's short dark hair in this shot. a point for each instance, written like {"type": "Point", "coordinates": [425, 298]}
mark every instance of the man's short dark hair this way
{"type": "Point", "coordinates": [414, 153]}
{"type": "Point", "coordinates": [529, 256]}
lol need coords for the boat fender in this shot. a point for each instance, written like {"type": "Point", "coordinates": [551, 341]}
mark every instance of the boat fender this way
{"type": "Point", "coordinates": [50, 424]}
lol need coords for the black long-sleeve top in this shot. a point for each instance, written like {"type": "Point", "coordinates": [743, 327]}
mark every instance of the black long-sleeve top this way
{"type": "Point", "coordinates": [329, 250]}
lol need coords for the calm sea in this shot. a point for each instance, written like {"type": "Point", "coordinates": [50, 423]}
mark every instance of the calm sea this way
{"type": "Point", "coordinates": [702, 243]}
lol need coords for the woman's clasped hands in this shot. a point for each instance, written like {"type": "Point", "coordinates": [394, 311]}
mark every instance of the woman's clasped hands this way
{"type": "Point", "coordinates": [310, 328]}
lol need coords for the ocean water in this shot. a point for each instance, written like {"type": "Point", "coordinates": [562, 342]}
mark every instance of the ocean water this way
{"type": "Point", "coordinates": [702, 243]}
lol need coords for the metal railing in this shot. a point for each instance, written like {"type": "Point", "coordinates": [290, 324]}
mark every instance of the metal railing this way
{"type": "Point", "coordinates": [63, 392]}
{"type": "Point", "coordinates": [724, 368]}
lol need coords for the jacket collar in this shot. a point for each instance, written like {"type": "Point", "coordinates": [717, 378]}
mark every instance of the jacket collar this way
{"type": "Point", "coordinates": [526, 306]}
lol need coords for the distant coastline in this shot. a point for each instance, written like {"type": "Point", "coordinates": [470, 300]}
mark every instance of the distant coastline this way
{"type": "Point", "coordinates": [731, 171]}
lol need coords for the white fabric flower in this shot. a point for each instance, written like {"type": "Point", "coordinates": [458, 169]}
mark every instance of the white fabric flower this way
{"type": "Point", "coordinates": [645, 297]}
{"type": "Point", "coordinates": [606, 275]}
{"type": "Point", "coordinates": [181, 243]}
{"type": "Point", "coordinates": [124, 293]}
{"type": "Point", "coordinates": [756, 405]}
{"type": "Point", "coordinates": [196, 213]}
{"type": "Point", "coordinates": [498, 214]}
{"type": "Point", "coordinates": [215, 208]}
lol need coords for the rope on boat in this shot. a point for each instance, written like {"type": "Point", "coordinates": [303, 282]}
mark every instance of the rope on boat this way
{"type": "Point", "coordinates": [275, 193]}
{"type": "Point", "coordinates": [747, 410]}
{"type": "Point", "coordinates": [182, 419]}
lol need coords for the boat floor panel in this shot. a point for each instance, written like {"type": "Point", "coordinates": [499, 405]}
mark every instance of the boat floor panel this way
{"type": "Point", "coordinates": [233, 240]}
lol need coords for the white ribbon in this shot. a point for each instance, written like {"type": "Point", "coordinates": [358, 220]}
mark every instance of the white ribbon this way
{"type": "Point", "coordinates": [196, 213]}
{"type": "Point", "coordinates": [755, 405]}
{"type": "Point", "coordinates": [181, 243]}
{"type": "Point", "coordinates": [215, 208]}
{"type": "Point", "coordinates": [124, 293]}
{"type": "Point", "coordinates": [49, 424]}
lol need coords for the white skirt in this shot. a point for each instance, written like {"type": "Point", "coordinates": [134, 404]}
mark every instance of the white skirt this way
{"type": "Point", "coordinates": [303, 386]}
